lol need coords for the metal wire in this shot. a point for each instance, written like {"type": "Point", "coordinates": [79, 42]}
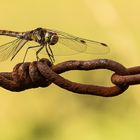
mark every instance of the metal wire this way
{"type": "Point", "coordinates": [42, 73]}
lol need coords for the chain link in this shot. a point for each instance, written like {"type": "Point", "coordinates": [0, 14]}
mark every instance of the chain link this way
{"type": "Point", "coordinates": [43, 73]}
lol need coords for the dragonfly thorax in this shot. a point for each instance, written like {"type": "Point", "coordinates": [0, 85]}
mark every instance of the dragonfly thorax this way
{"type": "Point", "coordinates": [44, 37]}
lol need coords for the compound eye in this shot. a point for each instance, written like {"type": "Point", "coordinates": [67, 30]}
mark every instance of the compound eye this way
{"type": "Point", "coordinates": [53, 40]}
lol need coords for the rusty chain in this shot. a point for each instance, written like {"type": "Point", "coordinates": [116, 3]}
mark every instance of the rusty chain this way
{"type": "Point", "coordinates": [43, 73]}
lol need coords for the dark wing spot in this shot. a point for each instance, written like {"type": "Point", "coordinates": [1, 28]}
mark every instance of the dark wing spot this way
{"type": "Point", "coordinates": [83, 42]}
{"type": "Point", "coordinates": [104, 44]}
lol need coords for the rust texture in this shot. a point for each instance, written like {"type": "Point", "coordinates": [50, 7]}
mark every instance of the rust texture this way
{"type": "Point", "coordinates": [43, 73]}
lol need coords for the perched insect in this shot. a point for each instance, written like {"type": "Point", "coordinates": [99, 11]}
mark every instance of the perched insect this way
{"type": "Point", "coordinates": [48, 39]}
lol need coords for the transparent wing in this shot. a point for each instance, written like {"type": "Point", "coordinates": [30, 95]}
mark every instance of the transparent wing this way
{"type": "Point", "coordinates": [93, 47]}
{"type": "Point", "coordinates": [81, 44]}
{"type": "Point", "coordinates": [10, 49]}
{"type": "Point", "coordinates": [59, 49]}
{"type": "Point", "coordinates": [67, 46]}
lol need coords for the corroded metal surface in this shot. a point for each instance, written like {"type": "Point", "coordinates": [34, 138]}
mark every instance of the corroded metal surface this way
{"type": "Point", "coordinates": [42, 73]}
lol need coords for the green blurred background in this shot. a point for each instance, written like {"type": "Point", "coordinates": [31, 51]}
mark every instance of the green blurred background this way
{"type": "Point", "coordinates": [56, 114]}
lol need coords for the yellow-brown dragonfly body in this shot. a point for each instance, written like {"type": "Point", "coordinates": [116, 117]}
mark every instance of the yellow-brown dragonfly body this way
{"type": "Point", "coordinates": [46, 38]}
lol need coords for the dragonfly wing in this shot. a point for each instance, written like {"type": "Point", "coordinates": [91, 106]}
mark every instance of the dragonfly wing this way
{"type": "Point", "coordinates": [93, 47]}
{"type": "Point", "coordinates": [66, 46]}
{"type": "Point", "coordinates": [10, 49]}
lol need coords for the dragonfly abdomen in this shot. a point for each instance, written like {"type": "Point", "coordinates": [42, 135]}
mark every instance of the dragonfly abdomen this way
{"type": "Point", "coordinates": [12, 33]}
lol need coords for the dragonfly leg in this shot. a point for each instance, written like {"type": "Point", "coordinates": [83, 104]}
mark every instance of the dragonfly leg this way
{"type": "Point", "coordinates": [28, 49]}
{"type": "Point", "coordinates": [50, 53]}
{"type": "Point", "coordinates": [37, 52]}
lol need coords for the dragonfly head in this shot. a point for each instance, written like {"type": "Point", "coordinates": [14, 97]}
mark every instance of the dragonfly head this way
{"type": "Point", "coordinates": [51, 38]}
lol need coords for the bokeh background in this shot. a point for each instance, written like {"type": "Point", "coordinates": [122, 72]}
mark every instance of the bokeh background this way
{"type": "Point", "coordinates": [56, 114]}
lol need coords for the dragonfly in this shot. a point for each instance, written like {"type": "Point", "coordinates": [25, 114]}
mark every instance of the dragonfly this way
{"type": "Point", "coordinates": [48, 39]}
